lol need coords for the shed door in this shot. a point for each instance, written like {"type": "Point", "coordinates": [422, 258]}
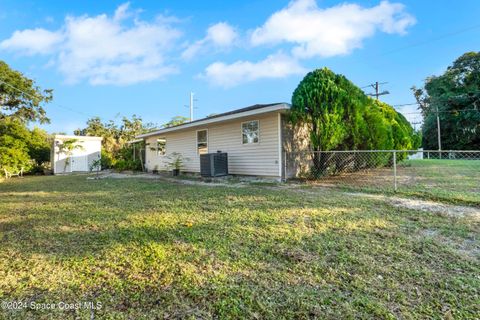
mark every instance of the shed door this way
{"type": "Point", "coordinates": [79, 163]}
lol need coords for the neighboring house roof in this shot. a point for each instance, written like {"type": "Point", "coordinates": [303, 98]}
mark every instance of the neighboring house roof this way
{"type": "Point", "coordinates": [234, 114]}
{"type": "Point", "coordinates": [79, 138]}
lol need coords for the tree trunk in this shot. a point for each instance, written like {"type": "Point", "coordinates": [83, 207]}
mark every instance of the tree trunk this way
{"type": "Point", "coordinates": [320, 163]}
{"type": "Point", "coordinates": [317, 165]}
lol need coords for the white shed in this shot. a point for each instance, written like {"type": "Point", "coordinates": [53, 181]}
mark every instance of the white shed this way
{"type": "Point", "coordinates": [74, 153]}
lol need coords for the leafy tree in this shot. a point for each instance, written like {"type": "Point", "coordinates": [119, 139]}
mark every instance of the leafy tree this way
{"type": "Point", "coordinates": [323, 100]}
{"type": "Point", "coordinates": [109, 131]}
{"type": "Point", "coordinates": [340, 116]}
{"type": "Point", "coordinates": [456, 96]}
{"type": "Point", "coordinates": [95, 127]}
{"type": "Point", "coordinates": [132, 128]}
{"type": "Point", "coordinates": [115, 137]}
{"type": "Point", "coordinates": [21, 147]}
{"type": "Point", "coordinates": [21, 101]}
{"type": "Point", "coordinates": [20, 97]}
{"type": "Point", "coordinates": [175, 121]}
{"type": "Point", "coordinates": [14, 139]}
{"type": "Point", "coordinates": [39, 147]}
{"type": "Point", "coordinates": [96, 166]}
{"type": "Point", "coordinates": [392, 129]}
{"type": "Point", "coordinates": [67, 147]}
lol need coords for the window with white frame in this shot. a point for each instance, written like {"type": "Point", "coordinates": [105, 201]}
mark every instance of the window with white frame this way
{"type": "Point", "coordinates": [202, 141]}
{"type": "Point", "coordinates": [161, 146]}
{"type": "Point", "coordinates": [250, 132]}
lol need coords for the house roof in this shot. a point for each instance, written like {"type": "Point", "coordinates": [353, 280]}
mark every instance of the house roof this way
{"type": "Point", "coordinates": [234, 114]}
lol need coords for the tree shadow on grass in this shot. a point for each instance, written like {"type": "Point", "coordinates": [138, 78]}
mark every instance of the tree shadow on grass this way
{"type": "Point", "coordinates": [149, 249]}
{"type": "Point", "coordinates": [217, 270]}
{"type": "Point", "coordinates": [35, 234]}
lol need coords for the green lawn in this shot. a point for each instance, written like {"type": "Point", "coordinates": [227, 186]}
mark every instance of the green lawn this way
{"type": "Point", "coordinates": [147, 249]}
{"type": "Point", "coordinates": [453, 181]}
{"type": "Point", "coordinates": [445, 180]}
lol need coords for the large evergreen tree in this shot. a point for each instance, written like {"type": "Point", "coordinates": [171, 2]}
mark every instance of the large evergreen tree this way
{"type": "Point", "coordinates": [341, 117]}
{"type": "Point", "coordinates": [329, 104]}
{"type": "Point", "coordinates": [456, 96]}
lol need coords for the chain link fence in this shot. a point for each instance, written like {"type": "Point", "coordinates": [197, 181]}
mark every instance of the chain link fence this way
{"type": "Point", "coordinates": [443, 174]}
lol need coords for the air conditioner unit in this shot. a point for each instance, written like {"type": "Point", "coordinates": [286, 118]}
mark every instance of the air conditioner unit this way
{"type": "Point", "coordinates": [214, 164]}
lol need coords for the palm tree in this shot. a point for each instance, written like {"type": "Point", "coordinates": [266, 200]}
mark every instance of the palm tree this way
{"type": "Point", "coordinates": [67, 147]}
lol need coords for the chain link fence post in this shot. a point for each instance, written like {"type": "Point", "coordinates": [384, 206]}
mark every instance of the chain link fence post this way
{"type": "Point", "coordinates": [395, 171]}
{"type": "Point", "coordinates": [373, 170]}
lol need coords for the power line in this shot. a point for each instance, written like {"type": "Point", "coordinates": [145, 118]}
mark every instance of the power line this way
{"type": "Point", "coordinates": [76, 111]}
{"type": "Point", "coordinates": [25, 93]}
{"type": "Point", "coordinates": [441, 37]}
{"type": "Point", "coordinates": [438, 112]}
{"type": "Point", "coordinates": [445, 99]}
{"type": "Point", "coordinates": [405, 104]}
{"type": "Point", "coordinates": [443, 111]}
{"type": "Point", "coordinates": [376, 87]}
{"type": "Point", "coordinates": [420, 43]}
{"type": "Point", "coordinates": [372, 85]}
{"type": "Point", "coordinates": [33, 97]}
{"type": "Point", "coordinates": [414, 124]}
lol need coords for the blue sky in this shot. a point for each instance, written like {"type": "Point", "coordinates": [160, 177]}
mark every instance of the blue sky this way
{"type": "Point", "coordinates": [116, 58]}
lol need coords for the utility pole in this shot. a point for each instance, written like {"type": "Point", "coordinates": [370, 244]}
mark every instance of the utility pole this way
{"type": "Point", "coordinates": [191, 106]}
{"type": "Point", "coordinates": [376, 87]}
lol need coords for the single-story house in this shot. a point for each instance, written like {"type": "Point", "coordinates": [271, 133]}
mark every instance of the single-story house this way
{"type": "Point", "coordinates": [79, 157]}
{"type": "Point", "coordinates": [255, 139]}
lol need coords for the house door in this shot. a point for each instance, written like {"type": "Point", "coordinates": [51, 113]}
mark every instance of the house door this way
{"type": "Point", "coordinates": [79, 163]}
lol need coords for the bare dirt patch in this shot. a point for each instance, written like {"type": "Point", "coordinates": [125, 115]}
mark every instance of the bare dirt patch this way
{"type": "Point", "coordinates": [193, 181]}
{"type": "Point", "coordinates": [427, 206]}
{"type": "Point", "coordinates": [449, 210]}
{"type": "Point", "coordinates": [409, 203]}
{"type": "Point", "coordinates": [124, 175]}
{"type": "Point", "coordinates": [464, 247]}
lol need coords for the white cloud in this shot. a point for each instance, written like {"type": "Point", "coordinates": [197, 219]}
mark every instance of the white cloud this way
{"type": "Point", "coordinates": [105, 52]}
{"type": "Point", "coordinates": [122, 12]}
{"type": "Point", "coordinates": [32, 41]}
{"type": "Point", "coordinates": [333, 31]}
{"type": "Point", "coordinates": [103, 49]}
{"type": "Point", "coordinates": [277, 65]}
{"type": "Point", "coordinates": [220, 36]}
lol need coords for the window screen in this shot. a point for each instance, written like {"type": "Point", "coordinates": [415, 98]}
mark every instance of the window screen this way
{"type": "Point", "coordinates": [202, 141]}
{"type": "Point", "coordinates": [161, 147]}
{"type": "Point", "coordinates": [250, 132]}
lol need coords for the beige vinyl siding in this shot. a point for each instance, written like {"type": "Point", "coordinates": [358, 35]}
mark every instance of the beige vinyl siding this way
{"type": "Point", "coordinates": [245, 159]}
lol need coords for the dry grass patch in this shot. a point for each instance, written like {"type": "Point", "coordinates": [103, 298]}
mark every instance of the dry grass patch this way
{"type": "Point", "coordinates": [147, 248]}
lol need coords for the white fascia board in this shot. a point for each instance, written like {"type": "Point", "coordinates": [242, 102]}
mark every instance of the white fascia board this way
{"type": "Point", "coordinates": [80, 138]}
{"type": "Point", "coordinates": [134, 141]}
{"type": "Point", "coordinates": [277, 107]}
